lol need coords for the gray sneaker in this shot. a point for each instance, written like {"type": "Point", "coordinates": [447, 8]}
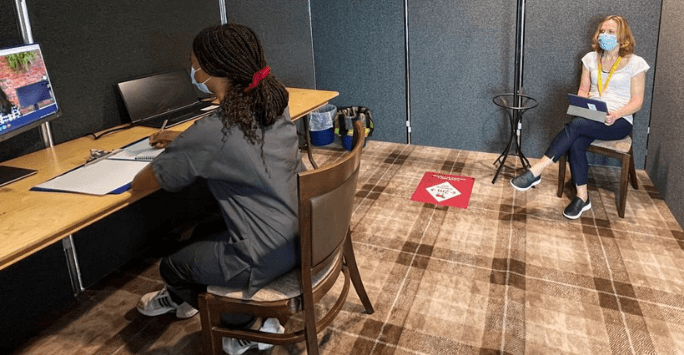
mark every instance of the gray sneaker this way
{"type": "Point", "coordinates": [524, 181]}
{"type": "Point", "coordinates": [576, 207]}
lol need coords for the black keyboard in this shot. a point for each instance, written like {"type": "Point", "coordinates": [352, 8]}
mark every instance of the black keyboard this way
{"type": "Point", "coordinates": [176, 117]}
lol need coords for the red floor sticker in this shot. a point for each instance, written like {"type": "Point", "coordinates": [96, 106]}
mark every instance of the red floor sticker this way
{"type": "Point", "coordinates": [445, 190]}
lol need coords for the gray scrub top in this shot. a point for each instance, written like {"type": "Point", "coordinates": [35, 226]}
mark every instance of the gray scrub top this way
{"type": "Point", "coordinates": [258, 202]}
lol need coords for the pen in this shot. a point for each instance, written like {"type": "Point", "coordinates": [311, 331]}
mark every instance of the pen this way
{"type": "Point", "coordinates": [163, 126]}
{"type": "Point", "coordinates": [157, 144]}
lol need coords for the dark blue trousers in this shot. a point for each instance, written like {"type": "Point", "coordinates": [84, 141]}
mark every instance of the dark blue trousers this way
{"type": "Point", "coordinates": [576, 137]}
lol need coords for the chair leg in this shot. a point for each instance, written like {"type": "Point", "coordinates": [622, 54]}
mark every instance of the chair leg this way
{"type": "Point", "coordinates": [624, 180]}
{"type": "Point", "coordinates": [561, 175]}
{"type": "Point", "coordinates": [211, 344]}
{"type": "Point", "coordinates": [309, 146]}
{"type": "Point", "coordinates": [632, 172]}
{"type": "Point", "coordinates": [354, 274]}
{"type": "Point", "coordinates": [308, 312]}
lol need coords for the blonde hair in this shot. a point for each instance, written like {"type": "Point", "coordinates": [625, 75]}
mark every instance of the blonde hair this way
{"type": "Point", "coordinates": [625, 38]}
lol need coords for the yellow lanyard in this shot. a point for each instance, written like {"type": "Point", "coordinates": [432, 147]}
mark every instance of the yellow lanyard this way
{"type": "Point", "coordinates": [612, 70]}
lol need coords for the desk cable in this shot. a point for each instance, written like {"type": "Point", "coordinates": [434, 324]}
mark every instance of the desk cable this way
{"type": "Point", "coordinates": [111, 130]}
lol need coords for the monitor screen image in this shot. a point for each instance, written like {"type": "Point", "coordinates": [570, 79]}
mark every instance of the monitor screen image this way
{"type": "Point", "coordinates": [26, 96]}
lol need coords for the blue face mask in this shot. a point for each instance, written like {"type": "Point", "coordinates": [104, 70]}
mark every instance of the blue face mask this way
{"type": "Point", "coordinates": [201, 86]}
{"type": "Point", "coordinates": [607, 41]}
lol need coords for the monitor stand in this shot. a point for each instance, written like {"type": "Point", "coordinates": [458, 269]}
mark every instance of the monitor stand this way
{"type": "Point", "coordinates": [9, 174]}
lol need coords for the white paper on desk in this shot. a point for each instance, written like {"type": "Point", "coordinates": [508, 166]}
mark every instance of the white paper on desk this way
{"type": "Point", "coordinates": [99, 178]}
{"type": "Point", "coordinates": [141, 150]}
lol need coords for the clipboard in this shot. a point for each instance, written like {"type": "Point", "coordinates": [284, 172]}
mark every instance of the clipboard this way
{"type": "Point", "coordinates": [107, 176]}
{"type": "Point", "coordinates": [110, 174]}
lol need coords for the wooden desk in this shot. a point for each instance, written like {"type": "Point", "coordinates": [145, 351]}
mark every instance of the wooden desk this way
{"type": "Point", "coordinates": [33, 220]}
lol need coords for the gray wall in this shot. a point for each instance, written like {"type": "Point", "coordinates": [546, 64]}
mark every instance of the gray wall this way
{"type": "Point", "coordinates": [359, 51]}
{"type": "Point", "coordinates": [90, 46]}
{"type": "Point", "coordinates": [284, 29]}
{"type": "Point", "coordinates": [9, 27]}
{"type": "Point", "coordinates": [462, 55]}
{"type": "Point", "coordinates": [666, 146]}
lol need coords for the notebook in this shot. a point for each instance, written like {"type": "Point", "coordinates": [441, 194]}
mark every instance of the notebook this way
{"type": "Point", "coordinates": [588, 108]}
{"type": "Point", "coordinates": [140, 150]}
{"type": "Point", "coordinates": [167, 96]}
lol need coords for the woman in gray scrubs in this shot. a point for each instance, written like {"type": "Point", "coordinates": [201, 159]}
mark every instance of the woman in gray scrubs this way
{"type": "Point", "coordinates": [248, 153]}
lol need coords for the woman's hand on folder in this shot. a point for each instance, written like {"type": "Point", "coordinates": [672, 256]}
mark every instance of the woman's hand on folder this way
{"type": "Point", "coordinates": [163, 139]}
{"type": "Point", "coordinates": [145, 180]}
{"type": "Point", "coordinates": [610, 118]}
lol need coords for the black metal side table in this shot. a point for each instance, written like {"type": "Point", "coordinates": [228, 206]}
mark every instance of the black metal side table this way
{"type": "Point", "coordinates": [507, 102]}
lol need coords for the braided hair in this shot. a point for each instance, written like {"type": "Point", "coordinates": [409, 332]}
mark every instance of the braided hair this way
{"type": "Point", "coordinates": [234, 51]}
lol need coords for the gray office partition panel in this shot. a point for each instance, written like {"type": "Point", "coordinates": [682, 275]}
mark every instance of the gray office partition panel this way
{"type": "Point", "coordinates": [664, 162]}
{"type": "Point", "coordinates": [462, 55]}
{"type": "Point", "coordinates": [557, 37]}
{"type": "Point", "coordinates": [89, 46]}
{"type": "Point", "coordinates": [359, 51]}
{"type": "Point", "coordinates": [285, 32]}
{"type": "Point", "coordinates": [10, 34]}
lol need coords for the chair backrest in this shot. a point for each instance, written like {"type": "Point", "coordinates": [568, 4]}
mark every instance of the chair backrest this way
{"type": "Point", "coordinates": [326, 199]}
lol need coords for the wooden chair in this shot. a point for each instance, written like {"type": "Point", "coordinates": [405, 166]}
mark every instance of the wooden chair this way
{"type": "Point", "coordinates": [326, 199]}
{"type": "Point", "coordinates": [620, 149]}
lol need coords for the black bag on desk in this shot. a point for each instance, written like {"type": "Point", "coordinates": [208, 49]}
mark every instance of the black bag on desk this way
{"type": "Point", "coordinates": [344, 120]}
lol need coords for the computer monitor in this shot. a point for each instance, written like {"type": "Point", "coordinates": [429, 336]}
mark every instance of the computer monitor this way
{"type": "Point", "coordinates": [26, 96]}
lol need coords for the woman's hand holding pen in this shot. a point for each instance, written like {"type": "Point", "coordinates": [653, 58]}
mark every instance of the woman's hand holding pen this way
{"type": "Point", "coordinates": [163, 138]}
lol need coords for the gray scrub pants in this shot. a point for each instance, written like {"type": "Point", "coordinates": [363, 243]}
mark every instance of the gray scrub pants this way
{"type": "Point", "coordinates": [189, 270]}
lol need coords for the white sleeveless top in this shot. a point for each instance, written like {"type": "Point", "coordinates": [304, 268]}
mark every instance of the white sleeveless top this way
{"type": "Point", "coordinates": [618, 93]}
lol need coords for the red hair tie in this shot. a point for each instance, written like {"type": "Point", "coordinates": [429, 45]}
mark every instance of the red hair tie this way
{"type": "Point", "coordinates": [258, 76]}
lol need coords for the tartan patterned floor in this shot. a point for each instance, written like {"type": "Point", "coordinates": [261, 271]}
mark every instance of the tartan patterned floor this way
{"type": "Point", "coordinates": [507, 275]}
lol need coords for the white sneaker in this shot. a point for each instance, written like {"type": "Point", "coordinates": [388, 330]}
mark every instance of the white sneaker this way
{"type": "Point", "coordinates": [160, 302]}
{"type": "Point", "coordinates": [185, 310]}
{"type": "Point", "coordinates": [234, 346]}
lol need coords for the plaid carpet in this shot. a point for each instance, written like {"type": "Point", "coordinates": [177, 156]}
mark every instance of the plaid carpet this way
{"type": "Point", "coordinates": [508, 275]}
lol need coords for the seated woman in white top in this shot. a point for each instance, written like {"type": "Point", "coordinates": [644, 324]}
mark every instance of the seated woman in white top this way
{"type": "Point", "coordinates": [611, 73]}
